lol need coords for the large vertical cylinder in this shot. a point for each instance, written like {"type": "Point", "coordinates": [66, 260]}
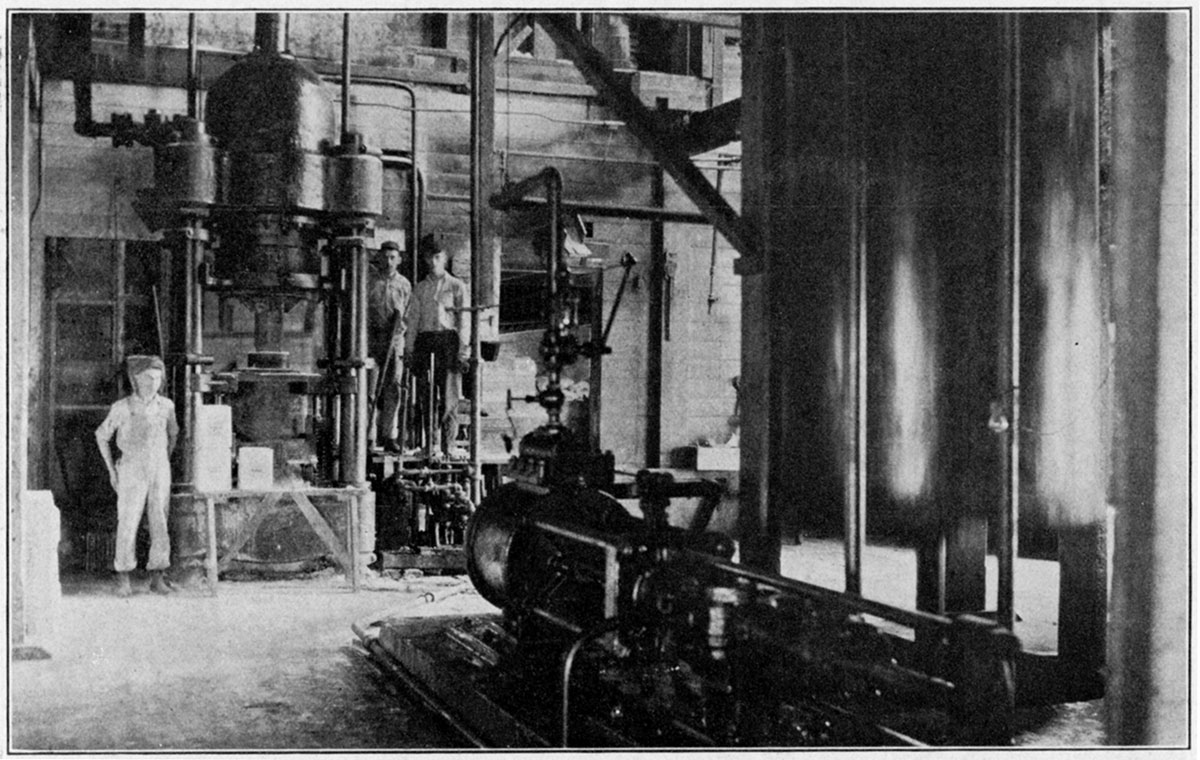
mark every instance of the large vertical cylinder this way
{"type": "Point", "coordinates": [1065, 354]}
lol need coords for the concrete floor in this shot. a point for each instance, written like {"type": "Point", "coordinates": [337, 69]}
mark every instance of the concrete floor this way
{"type": "Point", "coordinates": [269, 665]}
{"type": "Point", "coordinates": [890, 575]}
{"type": "Point", "coordinates": [262, 666]}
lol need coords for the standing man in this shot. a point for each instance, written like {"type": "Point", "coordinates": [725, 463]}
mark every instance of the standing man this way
{"type": "Point", "coordinates": [389, 297]}
{"type": "Point", "coordinates": [439, 332]}
{"type": "Point", "coordinates": [146, 431]}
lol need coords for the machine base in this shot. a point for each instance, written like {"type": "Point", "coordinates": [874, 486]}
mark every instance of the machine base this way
{"type": "Point", "coordinates": [446, 559]}
{"type": "Point", "coordinates": [448, 662]}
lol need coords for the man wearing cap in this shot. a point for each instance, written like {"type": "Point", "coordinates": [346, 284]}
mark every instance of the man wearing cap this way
{"type": "Point", "coordinates": [146, 431]}
{"type": "Point", "coordinates": [439, 331]}
{"type": "Point", "coordinates": [389, 298]}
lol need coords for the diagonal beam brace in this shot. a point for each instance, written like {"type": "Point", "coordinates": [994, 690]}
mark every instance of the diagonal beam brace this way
{"type": "Point", "coordinates": [647, 126]}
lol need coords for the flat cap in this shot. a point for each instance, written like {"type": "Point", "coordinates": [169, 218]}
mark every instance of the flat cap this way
{"type": "Point", "coordinates": [429, 245]}
{"type": "Point", "coordinates": [136, 364]}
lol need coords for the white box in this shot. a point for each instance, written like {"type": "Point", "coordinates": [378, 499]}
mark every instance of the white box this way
{"type": "Point", "coordinates": [39, 559]}
{"type": "Point", "coordinates": [726, 458]}
{"type": "Point", "coordinates": [214, 448]}
{"type": "Point", "coordinates": [256, 468]}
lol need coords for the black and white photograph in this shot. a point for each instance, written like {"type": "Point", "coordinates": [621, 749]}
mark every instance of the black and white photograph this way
{"type": "Point", "coordinates": [575, 380]}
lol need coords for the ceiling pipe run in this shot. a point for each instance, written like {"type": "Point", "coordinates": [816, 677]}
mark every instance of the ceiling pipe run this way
{"type": "Point", "coordinates": [76, 29]}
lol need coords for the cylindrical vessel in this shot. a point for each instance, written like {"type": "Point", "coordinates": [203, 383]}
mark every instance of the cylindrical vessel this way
{"type": "Point", "coordinates": [186, 172]}
{"type": "Point", "coordinates": [354, 185]}
{"type": "Point", "coordinates": [271, 116]}
{"type": "Point", "coordinates": [509, 560]}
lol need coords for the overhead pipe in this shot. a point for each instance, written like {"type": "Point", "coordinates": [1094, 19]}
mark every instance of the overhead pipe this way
{"type": "Point", "coordinates": [77, 30]}
{"type": "Point", "coordinates": [601, 210]}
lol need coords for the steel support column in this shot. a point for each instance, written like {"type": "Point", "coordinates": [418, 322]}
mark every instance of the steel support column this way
{"type": "Point", "coordinates": [654, 329]}
{"type": "Point", "coordinates": [484, 263]}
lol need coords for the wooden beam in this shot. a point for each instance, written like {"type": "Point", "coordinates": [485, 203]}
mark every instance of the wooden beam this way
{"type": "Point", "coordinates": [718, 20]}
{"type": "Point", "coordinates": [647, 127]}
{"type": "Point", "coordinates": [708, 130]}
{"type": "Point", "coordinates": [323, 531]}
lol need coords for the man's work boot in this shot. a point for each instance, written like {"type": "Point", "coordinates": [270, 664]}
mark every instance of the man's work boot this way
{"type": "Point", "coordinates": [123, 587]}
{"type": "Point", "coordinates": [159, 583]}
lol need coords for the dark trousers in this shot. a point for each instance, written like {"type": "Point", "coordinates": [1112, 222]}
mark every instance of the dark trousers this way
{"type": "Point", "coordinates": [388, 384]}
{"type": "Point", "coordinates": [435, 358]}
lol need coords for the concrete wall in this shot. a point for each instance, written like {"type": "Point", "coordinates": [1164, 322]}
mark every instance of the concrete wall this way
{"type": "Point", "coordinates": [544, 116]}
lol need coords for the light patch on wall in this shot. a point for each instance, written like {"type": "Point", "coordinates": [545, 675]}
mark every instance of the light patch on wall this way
{"type": "Point", "coordinates": [911, 435]}
{"type": "Point", "coordinates": [1071, 450]}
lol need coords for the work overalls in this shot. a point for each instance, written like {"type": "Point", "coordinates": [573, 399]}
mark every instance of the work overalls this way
{"type": "Point", "coordinates": [143, 481]}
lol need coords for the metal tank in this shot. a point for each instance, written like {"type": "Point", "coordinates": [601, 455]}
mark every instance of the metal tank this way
{"type": "Point", "coordinates": [936, 363]}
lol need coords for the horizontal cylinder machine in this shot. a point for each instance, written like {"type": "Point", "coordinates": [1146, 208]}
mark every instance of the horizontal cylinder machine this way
{"type": "Point", "coordinates": [617, 630]}
{"type": "Point", "coordinates": [264, 203]}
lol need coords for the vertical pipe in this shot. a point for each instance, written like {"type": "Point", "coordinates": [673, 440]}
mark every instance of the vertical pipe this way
{"type": "Point", "coordinates": [596, 368]}
{"type": "Point", "coordinates": [483, 94]}
{"type": "Point", "coordinates": [861, 364]}
{"type": "Point", "coordinates": [187, 254]}
{"type": "Point", "coordinates": [193, 86]}
{"type": "Point", "coordinates": [856, 306]}
{"type": "Point", "coordinates": [137, 41]}
{"type": "Point", "coordinates": [345, 75]}
{"type": "Point", "coordinates": [554, 201]}
{"type": "Point", "coordinates": [361, 351]}
{"type": "Point", "coordinates": [852, 526]}
{"type": "Point", "coordinates": [1009, 319]}
{"type": "Point", "coordinates": [353, 344]}
{"type": "Point", "coordinates": [654, 340]}
{"type": "Point", "coordinates": [267, 32]}
{"type": "Point", "coordinates": [345, 346]}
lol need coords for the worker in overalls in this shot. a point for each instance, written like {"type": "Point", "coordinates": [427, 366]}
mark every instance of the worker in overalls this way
{"type": "Point", "coordinates": [146, 431]}
{"type": "Point", "coordinates": [439, 332]}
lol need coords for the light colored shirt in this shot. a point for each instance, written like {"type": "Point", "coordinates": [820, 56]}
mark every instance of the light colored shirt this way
{"type": "Point", "coordinates": [432, 309]}
{"type": "Point", "coordinates": [144, 429]}
{"type": "Point", "coordinates": [389, 299]}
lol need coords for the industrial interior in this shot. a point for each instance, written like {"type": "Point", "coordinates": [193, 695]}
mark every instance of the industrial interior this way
{"type": "Point", "coordinates": [825, 379]}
